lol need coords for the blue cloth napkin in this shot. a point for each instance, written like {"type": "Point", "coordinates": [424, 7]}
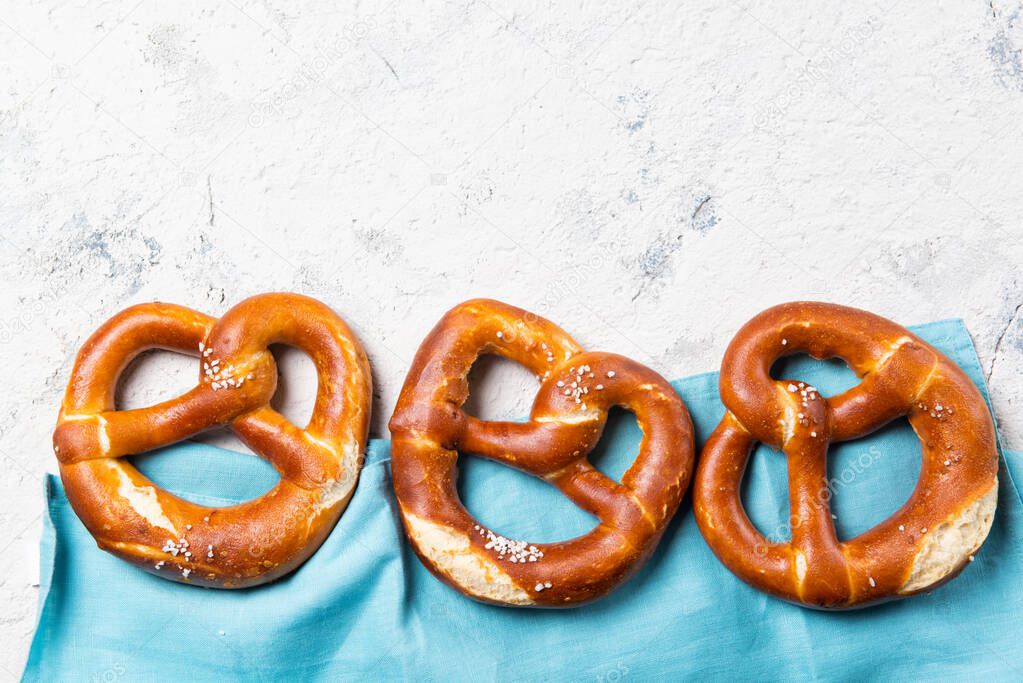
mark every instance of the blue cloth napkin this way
{"type": "Point", "coordinates": [363, 606]}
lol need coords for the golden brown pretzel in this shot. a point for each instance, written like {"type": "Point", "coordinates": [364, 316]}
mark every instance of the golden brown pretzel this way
{"type": "Point", "coordinates": [928, 540]}
{"type": "Point", "coordinates": [566, 421]}
{"type": "Point", "coordinates": [223, 547]}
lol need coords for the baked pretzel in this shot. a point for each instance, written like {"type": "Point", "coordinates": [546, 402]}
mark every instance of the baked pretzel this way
{"type": "Point", "coordinates": [576, 390]}
{"type": "Point", "coordinates": [928, 540]}
{"type": "Point", "coordinates": [222, 547]}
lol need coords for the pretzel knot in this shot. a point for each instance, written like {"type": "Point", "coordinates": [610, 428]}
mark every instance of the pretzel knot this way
{"type": "Point", "coordinates": [928, 540]}
{"type": "Point", "coordinates": [576, 391]}
{"type": "Point", "coordinates": [225, 547]}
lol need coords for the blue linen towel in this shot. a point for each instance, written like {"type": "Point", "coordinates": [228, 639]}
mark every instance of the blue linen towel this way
{"type": "Point", "coordinates": [363, 606]}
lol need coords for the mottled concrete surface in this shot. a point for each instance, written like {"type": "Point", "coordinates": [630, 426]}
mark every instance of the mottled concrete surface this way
{"type": "Point", "coordinates": [649, 177]}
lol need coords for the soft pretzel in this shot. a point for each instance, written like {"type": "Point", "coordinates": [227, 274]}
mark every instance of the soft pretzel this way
{"type": "Point", "coordinates": [928, 540]}
{"type": "Point", "coordinates": [222, 547]}
{"type": "Point", "coordinates": [576, 390]}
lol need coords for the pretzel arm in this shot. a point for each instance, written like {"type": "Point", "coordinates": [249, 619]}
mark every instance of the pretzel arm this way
{"type": "Point", "coordinates": [884, 393]}
{"type": "Point", "coordinates": [274, 438]}
{"type": "Point", "coordinates": [748, 552]}
{"type": "Point", "coordinates": [602, 497]}
{"type": "Point", "coordinates": [534, 448]}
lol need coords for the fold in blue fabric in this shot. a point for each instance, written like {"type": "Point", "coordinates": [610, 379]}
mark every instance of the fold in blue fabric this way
{"type": "Point", "coordinates": [364, 607]}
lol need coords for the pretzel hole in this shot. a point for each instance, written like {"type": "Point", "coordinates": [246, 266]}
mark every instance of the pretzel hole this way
{"type": "Point", "coordinates": [871, 478]}
{"type": "Point", "coordinates": [197, 470]}
{"type": "Point", "coordinates": [764, 491]}
{"type": "Point", "coordinates": [516, 505]}
{"type": "Point", "coordinates": [499, 389]}
{"type": "Point", "coordinates": [296, 375]}
{"type": "Point", "coordinates": [830, 376]}
{"type": "Point", "coordinates": [619, 444]}
{"type": "Point", "coordinates": [154, 376]}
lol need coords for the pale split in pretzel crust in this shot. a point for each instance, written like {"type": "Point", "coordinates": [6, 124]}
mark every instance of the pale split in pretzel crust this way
{"type": "Point", "coordinates": [576, 391]}
{"type": "Point", "coordinates": [928, 540]}
{"type": "Point", "coordinates": [222, 547]}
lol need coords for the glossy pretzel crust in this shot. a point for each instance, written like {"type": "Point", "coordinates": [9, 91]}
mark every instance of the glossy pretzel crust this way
{"type": "Point", "coordinates": [222, 547]}
{"type": "Point", "coordinates": [928, 540]}
{"type": "Point", "coordinates": [576, 390]}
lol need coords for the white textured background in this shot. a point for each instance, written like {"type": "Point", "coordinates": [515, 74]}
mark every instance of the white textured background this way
{"type": "Point", "coordinates": [648, 177]}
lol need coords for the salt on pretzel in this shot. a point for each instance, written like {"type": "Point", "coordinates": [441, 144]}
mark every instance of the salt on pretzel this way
{"type": "Point", "coordinates": [222, 547]}
{"type": "Point", "coordinates": [928, 540]}
{"type": "Point", "coordinates": [577, 389]}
